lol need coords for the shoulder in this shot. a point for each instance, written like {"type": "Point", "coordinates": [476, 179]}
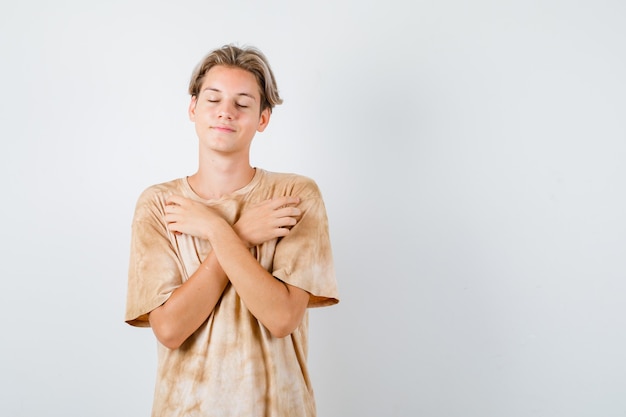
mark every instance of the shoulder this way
{"type": "Point", "coordinates": [159, 189]}
{"type": "Point", "coordinates": [152, 199]}
{"type": "Point", "coordinates": [291, 183]}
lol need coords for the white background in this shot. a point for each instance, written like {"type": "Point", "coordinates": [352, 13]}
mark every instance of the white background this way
{"type": "Point", "coordinates": [471, 155]}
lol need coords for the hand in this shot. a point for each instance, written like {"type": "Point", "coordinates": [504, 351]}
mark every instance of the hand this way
{"type": "Point", "coordinates": [267, 220]}
{"type": "Point", "coordinates": [187, 216]}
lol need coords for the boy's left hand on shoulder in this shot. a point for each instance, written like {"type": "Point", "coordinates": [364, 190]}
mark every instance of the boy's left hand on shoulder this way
{"type": "Point", "coordinates": [268, 220]}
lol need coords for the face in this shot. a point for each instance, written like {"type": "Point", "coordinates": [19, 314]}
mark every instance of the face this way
{"type": "Point", "coordinates": [227, 111]}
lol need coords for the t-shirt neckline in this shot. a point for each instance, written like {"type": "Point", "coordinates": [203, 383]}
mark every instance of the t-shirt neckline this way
{"type": "Point", "coordinates": [189, 192]}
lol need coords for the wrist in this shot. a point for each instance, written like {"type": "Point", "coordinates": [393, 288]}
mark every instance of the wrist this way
{"type": "Point", "coordinates": [217, 228]}
{"type": "Point", "coordinates": [212, 225]}
{"type": "Point", "coordinates": [237, 231]}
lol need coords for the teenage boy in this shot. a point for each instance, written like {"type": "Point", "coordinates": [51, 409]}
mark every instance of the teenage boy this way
{"type": "Point", "coordinates": [225, 262]}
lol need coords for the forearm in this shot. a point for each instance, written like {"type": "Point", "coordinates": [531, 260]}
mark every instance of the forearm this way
{"type": "Point", "coordinates": [190, 304]}
{"type": "Point", "coordinates": [278, 306]}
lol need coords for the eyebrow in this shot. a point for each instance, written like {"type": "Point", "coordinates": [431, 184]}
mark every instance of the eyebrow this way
{"type": "Point", "coordinates": [239, 94]}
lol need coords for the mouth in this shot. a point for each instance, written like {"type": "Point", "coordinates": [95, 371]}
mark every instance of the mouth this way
{"type": "Point", "coordinates": [224, 129]}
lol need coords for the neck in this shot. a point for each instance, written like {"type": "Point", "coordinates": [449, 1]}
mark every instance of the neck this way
{"type": "Point", "coordinates": [220, 176]}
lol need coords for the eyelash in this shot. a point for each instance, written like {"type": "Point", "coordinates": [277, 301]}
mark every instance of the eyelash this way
{"type": "Point", "coordinates": [236, 104]}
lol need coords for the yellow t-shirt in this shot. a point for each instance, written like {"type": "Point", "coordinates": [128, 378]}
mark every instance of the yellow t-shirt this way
{"type": "Point", "coordinates": [232, 365]}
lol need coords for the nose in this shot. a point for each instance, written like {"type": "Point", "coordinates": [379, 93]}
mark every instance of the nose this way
{"type": "Point", "coordinates": [226, 110]}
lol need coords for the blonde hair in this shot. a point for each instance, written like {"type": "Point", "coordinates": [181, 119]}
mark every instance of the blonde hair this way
{"type": "Point", "coordinates": [247, 58]}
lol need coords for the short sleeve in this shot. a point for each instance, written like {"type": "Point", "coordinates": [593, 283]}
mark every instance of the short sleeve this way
{"type": "Point", "coordinates": [154, 269]}
{"type": "Point", "coordinates": [304, 257]}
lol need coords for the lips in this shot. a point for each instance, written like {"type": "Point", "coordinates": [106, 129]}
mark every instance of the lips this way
{"type": "Point", "coordinates": [225, 129]}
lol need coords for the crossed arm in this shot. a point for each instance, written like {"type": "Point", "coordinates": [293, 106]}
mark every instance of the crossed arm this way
{"type": "Point", "coordinates": [278, 305]}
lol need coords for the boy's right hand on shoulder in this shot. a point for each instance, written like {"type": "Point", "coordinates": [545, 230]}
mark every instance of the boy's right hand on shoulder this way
{"type": "Point", "coordinates": [267, 220]}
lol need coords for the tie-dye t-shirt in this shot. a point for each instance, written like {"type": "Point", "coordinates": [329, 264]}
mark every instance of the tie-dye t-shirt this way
{"type": "Point", "coordinates": [232, 365]}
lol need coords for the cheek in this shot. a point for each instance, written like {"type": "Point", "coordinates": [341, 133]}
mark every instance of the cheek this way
{"type": "Point", "coordinates": [204, 113]}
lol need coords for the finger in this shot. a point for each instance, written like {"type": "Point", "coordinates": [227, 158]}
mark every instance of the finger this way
{"type": "Point", "coordinates": [175, 199]}
{"type": "Point", "coordinates": [172, 209]}
{"type": "Point", "coordinates": [288, 211]}
{"type": "Point", "coordinates": [287, 222]}
{"type": "Point", "coordinates": [174, 227]}
{"type": "Point", "coordinates": [281, 232]}
{"type": "Point", "coordinates": [291, 200]}
{"type": "Point", "coordinates": [285, 201]}
{"type": "Point", "coordinates": [172, 218]}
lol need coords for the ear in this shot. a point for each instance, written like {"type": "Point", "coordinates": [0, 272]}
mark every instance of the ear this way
{"type": "Point", "coordinates": [264, 120]}
{"type": "Point", "coordinates": [192, 108]}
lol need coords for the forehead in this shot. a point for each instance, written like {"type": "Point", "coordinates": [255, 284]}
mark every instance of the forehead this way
{"type": "Point", "coordinates": [230, 80]}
